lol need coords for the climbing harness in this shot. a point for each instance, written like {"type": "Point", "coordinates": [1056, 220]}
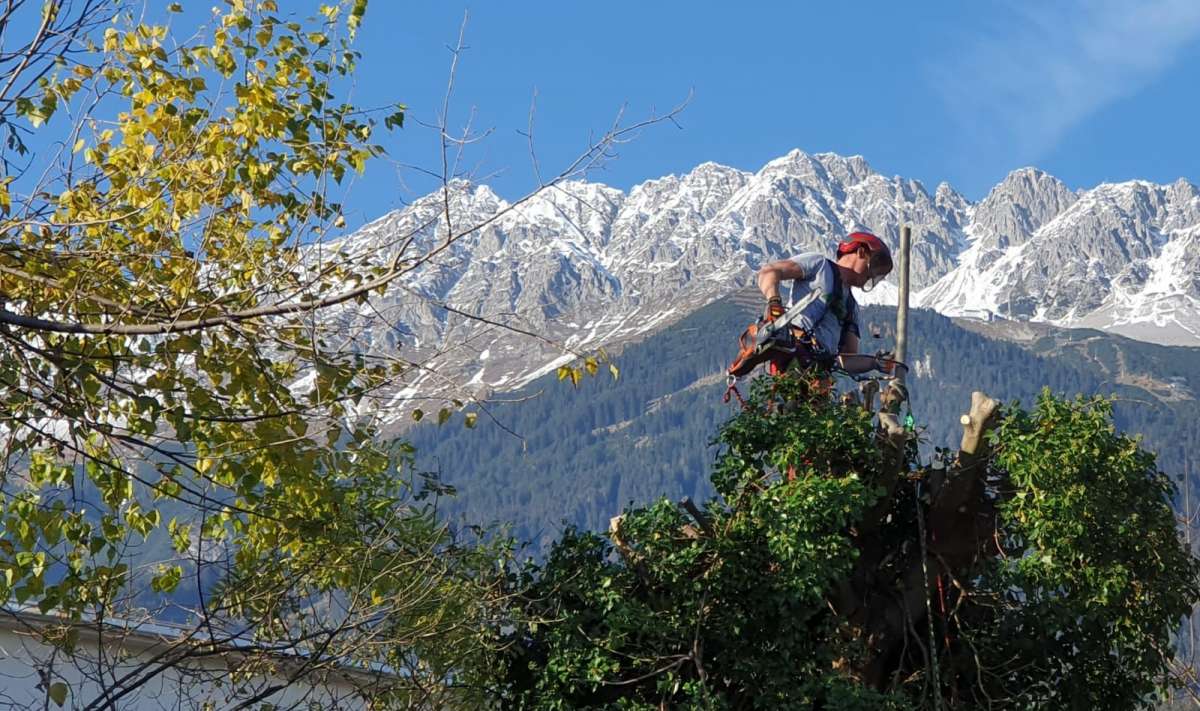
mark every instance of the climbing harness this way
{"type": "Point", "coordinates": [780, 340]}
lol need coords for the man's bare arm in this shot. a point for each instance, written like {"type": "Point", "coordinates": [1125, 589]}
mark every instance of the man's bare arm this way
{"type": "Point", "coordinates": [771, 273]}
{"type": "Point", "coordinates": [849, 358]}
{"type": "Point", "coordinates": [857, 363]}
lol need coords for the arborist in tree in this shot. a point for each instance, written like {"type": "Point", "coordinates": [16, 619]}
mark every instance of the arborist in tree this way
{"type": "Point", "coordinates": [820, 326]}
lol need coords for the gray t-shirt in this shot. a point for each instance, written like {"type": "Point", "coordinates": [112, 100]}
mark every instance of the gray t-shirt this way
{"type": "Point", "coordinates": [828, 327]}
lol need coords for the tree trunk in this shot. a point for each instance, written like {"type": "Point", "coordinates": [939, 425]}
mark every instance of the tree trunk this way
{"type": "Point", "coordinates": [885, 602]}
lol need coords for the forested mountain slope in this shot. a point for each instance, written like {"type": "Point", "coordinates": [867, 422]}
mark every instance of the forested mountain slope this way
{"type": "Point", "coordinates": [582, 455]}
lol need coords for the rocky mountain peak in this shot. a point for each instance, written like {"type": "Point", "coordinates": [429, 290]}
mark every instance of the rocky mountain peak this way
{"type": "Point", "coordinates": [846, 170]}
{"type": "Point", "coordinates": [950, 203]}
{"type": "Point", "coordinates": [826, 170]}
{"type": "Point", "coordinates": [1021, 203]}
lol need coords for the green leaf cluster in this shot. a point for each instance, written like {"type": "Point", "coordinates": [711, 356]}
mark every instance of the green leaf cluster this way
{"type": "Point", "coordinates": [729, 613]}
{"type": "Point", "coordinates": [1093, 579]}
{"type": "Point", "coordinates": [175, 413]}
{"type": "Point", "coordinates": [735, 608]}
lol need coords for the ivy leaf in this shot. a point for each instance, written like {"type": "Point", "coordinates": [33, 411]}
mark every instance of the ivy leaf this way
{"type": "Point", "coordinates": [58, 693]}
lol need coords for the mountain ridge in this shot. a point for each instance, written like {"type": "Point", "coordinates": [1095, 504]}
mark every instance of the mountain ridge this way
{"type": "Point", "coordinates": [590, 266]}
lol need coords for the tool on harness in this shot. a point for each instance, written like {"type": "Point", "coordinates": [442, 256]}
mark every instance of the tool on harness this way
{"type": "Point", "coordinates": [731, 389]}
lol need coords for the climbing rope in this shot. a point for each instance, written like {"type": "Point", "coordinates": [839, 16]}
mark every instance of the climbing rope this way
{"type": "Point", "coordinates": [933, 650]}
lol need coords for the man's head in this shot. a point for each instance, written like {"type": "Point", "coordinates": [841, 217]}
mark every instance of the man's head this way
{"type": "Point", "coordinates": [866, 259]}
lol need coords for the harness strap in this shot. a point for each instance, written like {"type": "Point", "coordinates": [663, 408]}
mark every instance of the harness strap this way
{"type": "Point", "coordinates": [839, 304]}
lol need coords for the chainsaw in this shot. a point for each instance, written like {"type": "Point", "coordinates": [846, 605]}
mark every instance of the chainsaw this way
{"type": "Point", "coordinates": [775, 340]}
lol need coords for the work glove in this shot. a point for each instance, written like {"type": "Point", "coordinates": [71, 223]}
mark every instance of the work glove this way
{"type": "Point", "coordinates": [774, 309]}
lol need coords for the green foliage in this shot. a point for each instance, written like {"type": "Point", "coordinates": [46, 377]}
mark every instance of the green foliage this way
{"type": "Point", "coordinates": [799, 431]}
{"type": "Point", "coordinates": [735, 607]}
{"type": "Point", "coordinates": [158, 376]}
{"type": "Point", "coordinates": [57, 692]}
{"type": "Point", "coordinates": [729, 617]}
{"type": "Point", "coordinates": [1093, 581]}
{"type": "Point", "coordinates": [181, 432]}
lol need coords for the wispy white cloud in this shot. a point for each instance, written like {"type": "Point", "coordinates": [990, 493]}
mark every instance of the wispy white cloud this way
{"type": "Point", "coordinates": [1020, 85]}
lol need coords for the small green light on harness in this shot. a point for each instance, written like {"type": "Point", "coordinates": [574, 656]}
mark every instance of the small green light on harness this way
{"type": "Point", "coordinates": [909, 422]}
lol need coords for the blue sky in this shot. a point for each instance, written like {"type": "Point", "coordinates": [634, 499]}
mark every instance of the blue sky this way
{"type": "Point", "coordinates": [963, 92]}
{"type": "Point", "coordinates": [954, 91]}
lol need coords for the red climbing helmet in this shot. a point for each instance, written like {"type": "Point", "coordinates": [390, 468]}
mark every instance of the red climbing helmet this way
{"type": "Point", "coordinates": [880, 261]}
{"type": "Point", "coordinates": [866, 239]}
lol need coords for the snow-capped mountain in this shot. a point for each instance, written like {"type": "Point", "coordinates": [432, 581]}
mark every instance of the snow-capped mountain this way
{"type": "Point", "coordinates": [586, 265]}
{"type": "Point", "coordinates": [1120, 257]}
